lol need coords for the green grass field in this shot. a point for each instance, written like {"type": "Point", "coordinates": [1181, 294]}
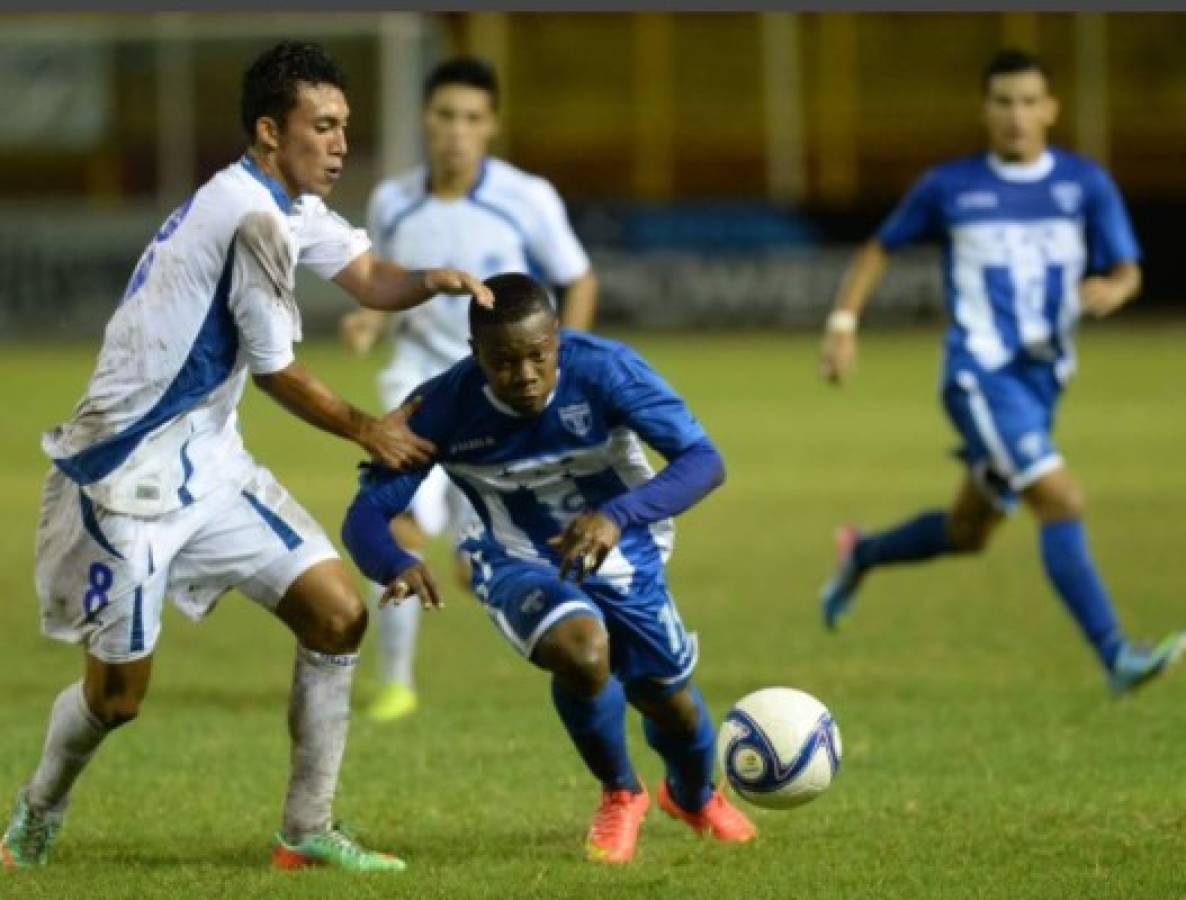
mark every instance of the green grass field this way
{"type": "Point", "coordinates": [983, 756]}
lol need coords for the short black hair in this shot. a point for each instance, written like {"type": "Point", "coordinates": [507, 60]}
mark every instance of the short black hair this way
{"type": "Point", "coordinates": [516, 297]}
{"type": "Point", "coordinates": [270, 83]}
{"type": "Point", "coordinates": [465, 70]}
{"type": "Point", "coordinates": [1012, 61]}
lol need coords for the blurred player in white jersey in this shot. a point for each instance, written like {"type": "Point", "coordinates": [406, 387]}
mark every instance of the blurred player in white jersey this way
{"type": "Point", "coordinates": [472, 211]}
{"type": "Point", "coordinates": [153, 494]}
{"type": "Point", "coordinates": [1031, 236]}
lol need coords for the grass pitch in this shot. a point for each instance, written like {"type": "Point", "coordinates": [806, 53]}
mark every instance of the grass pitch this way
{"type": "Point", "coordinates": [983, 756]}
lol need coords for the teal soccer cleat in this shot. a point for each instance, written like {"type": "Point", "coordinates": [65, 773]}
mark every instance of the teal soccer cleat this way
{"type": "Point", "coordinates": [29, 837]}
{"type": "Point", "coordinates": [837, 595]}
{"type": "Point", "coordinates": [1136, 664]}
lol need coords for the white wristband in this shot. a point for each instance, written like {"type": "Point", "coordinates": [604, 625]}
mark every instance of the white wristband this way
{"type": "Point", "coordinates": [842, 321]}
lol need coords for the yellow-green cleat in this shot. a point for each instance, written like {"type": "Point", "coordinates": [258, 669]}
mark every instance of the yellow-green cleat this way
{"type": "Point", "coordinates": [334, 849]}
{"type": "Point", "coordinates": [394, 701]}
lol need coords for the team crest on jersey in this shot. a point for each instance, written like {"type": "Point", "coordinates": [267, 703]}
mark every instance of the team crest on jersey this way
{"type": "Point", "coordinates": [577, 418]}
{"type": "Point", "coordinates": [1068, 195]}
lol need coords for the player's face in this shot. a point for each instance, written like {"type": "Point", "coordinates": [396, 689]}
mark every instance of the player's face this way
{"type": "Point", "coordinates": [1017, 113]}
{"type": "Point", "coordinates": [519, 360]}
{"type": "Point", "coordinates": [311, 148]}
{"type": "Point", "coordinates": [459, 123]}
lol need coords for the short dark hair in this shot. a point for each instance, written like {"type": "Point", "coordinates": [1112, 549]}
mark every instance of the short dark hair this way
{"type": "Point", "coordinates": [1012, 61]}
{"type": "Point", "coordinates": [465, 70]}
{"type": "Point", "coordinates": [516, 297]}
{"type": "Point", "coordinates": [270, 83]}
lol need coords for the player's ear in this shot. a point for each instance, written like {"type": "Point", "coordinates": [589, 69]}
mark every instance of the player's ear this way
{"type": "Point", "coordinates": [1051, 111]}
{"type": "Point", "coordinates": [267, 134]}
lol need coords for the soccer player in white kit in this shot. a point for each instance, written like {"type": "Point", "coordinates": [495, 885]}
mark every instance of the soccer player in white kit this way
{"type": "Point", "coordinates": [152, 493]}
{"type": "Point", "coordinates": [468, 210]}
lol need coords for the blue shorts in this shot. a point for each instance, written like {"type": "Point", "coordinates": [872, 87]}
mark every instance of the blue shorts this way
{"type": "Point", "coordinates": [1005, 419]}
{"type": "Point", "coordinates": [648, 642]}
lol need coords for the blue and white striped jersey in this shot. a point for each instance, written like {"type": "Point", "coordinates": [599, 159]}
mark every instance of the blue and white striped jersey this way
{"type": "Point", "coordinates": [527, 478]}
{"type": "Point", "coordinates": [510, 221]}
{"type": "Point", "coordinates": [1017, 239]}
{"type": "Point", "coordinates": [157, 426]}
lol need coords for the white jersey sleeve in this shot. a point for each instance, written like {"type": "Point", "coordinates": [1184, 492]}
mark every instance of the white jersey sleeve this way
{"type": "Point", "coordinates": [551, 241]}
{"type": "Point", "coordinates": [262, 300]}
{"type": "Point", "coordinates": [327, 243]}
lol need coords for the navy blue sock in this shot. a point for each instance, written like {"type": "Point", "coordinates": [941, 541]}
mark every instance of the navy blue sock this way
{"type": "Point", "coordinates": [923, 537]}
{"type": "Point", "coordinates": [690, 760]}
{"type": "Point", "coordinates": [598, 728]}
{"type": "Point", "coordinates": [1070, 569]}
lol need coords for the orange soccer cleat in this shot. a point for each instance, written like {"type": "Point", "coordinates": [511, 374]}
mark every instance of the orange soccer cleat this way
{"type": "Point", "coordinates": [719, 818]}
{"type": "Point", "coordinates": [614, 832]}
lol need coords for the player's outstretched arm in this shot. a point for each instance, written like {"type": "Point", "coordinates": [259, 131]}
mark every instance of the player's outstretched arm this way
{"type": "Point", "coordinates": [839, 352]}
{"type": "Point", "coordinates": [1102, 295]}
{"type": "Point", "coordinates": [367, 536]}
{"type": "Point", "coordinates": [379, 284]}
{"type": "Point", "coordinates": [388, 440]}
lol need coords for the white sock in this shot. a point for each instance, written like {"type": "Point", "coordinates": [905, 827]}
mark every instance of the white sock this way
{"type": "Point", "coordinates": [398, 626]}
{"type": "Point", "coordinates": [70, 741]}
{"type": "Point", "coordinates": [318, 719]}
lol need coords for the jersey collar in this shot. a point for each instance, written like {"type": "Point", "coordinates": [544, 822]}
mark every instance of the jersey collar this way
{"type": "Point", "coordinates": [1022, 172]}
{"type": "Point", "coordinates": [275, 188]}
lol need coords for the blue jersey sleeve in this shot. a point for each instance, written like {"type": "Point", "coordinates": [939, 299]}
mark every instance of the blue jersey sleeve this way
{"type": "Point", "coordinates": [916, 218]}
{"type": "Point", "coordinates": [1110, 237]}
{"type": "Point", "coordinates": [684, 481]}
{"type": "Point", "coordinates": [366, 533]}
{"type": "Point", "coordinates": [643, 402]}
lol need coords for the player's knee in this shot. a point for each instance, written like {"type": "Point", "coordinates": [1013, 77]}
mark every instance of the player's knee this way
{"type": "Point", "coordinates": [341, 624]}
{"type": "Point", "coordinates": [968, 536]}
{"type": "Point", "coordinates": [586, 662]}
{"type": "Point", "coordinates": [117, 710]}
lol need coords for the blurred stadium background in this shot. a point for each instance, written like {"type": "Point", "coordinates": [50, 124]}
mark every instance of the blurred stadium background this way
{"type": "Point", "coordinates": [715, 164]}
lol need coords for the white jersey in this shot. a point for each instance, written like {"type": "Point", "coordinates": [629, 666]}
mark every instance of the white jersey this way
{"type": "Point", "coordinates": [510, 221]}
{"type": "Point", "coordinates": [208, 302]}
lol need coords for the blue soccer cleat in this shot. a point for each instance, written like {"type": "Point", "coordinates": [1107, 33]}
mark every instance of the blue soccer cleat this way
{"type": "Point", "coordinates": [837, 595]}
{"type": "Point", "coordinates": [1136, 664]}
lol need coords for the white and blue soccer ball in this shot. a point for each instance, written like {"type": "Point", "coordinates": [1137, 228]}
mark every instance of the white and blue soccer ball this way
{"type": "Point", "coordinates": [779, 747]}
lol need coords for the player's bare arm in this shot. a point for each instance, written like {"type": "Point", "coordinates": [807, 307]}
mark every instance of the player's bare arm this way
{"type": "Point", "coordinates": [585, 543]}
{"type": "Point", "coordinates": [580, 303]}
{"type": "Point", "coordinates": [388, 440]}
{"type": "Point", "coordinates": [839, 352]}
{"type": "Point", "coordinates": [381, 285]}
{"type": "Point", "coordinates": [1102, 295]}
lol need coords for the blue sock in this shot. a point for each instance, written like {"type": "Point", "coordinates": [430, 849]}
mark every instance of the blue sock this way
{"type": "Point", "coordinates": [598, 729]}
{"type": "Point", "coordinates": [690, 760]}
{"type": "Point", "coordinates": [923, 537]}
{"type": "Point", "coordinates": [1070, 569]}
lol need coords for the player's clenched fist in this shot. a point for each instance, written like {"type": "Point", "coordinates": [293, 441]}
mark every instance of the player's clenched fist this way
{"type": "Point", "coordinates": [415, 580]}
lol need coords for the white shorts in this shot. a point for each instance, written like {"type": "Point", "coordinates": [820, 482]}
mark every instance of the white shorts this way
{"type": "Point", "coordinates": [438, 504]}
{"type": "Point", "coordinates": [102, 577]}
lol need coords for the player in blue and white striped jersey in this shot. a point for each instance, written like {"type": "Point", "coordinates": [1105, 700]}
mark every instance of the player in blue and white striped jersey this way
{"type": "Point", "coordinates": [152, 492]}
{"type": "Point", "coordinates": [542, 429]}
{"type": "Point", "coordinates": [1032, 236]}
{"type": "Point", "coordinates": [467, 209]}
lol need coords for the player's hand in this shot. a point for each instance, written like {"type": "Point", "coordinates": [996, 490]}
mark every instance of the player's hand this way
{"type": "Point", "coordinates": [359, 329]}
{"type": "Point", "coordinates": [584, 544]}
{"type": "Point", "coordinates": [390, 441]}
{"type": "Point", "coordinates": [1100, 296]}
{"type": "Point", "coordinates": [455, 281]}
{"type": "Point", "coordinates": [838, 357]}
{"type": "Point", "coordinates": [415, 580]}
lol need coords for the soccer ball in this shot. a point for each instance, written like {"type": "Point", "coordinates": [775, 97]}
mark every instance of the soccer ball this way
{"type": "Point", "coordinates": [779, 747]}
